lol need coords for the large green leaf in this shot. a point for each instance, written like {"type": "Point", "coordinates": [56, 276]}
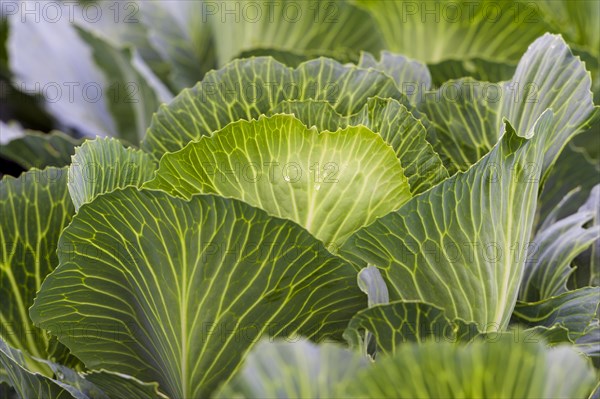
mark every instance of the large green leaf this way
{"type": "Point", "coordinates": [32, 149]}
{"type": "Point", "coordinates": [499, 368]}
{"type": "Point", "coordinates": [393, 121]}
{"type": "Point", "coordinates": [35, 208]}
{"type": "Point", "coordinates": [330, 183]}
{"type": "Point", "coordinates": [467, 114]}
{"type": "Point", "coordinates": [465, 238]}
{"type": "Point", "coordinates": [294, 369]}
{"type": "Point", "coordinates": [233, 273]}
{"type": "Point", "coordinates": [103, 165]}
{"type": "Point", "coordinates": [246, 89]}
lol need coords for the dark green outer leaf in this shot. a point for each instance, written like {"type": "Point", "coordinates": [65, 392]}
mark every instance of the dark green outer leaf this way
{"type": "Point", "coordinates": [30, 384]}
{"type": "Point", "coordinates": [35, 208]}
{"type": "Point", "coordinates": [399, 322]}
{"type": "Point", "coordinates": [177, 291]}
{"type": "Point", "coordinates": [38, 150]}
{"type": "Point", "coordinates": [476, 68]}
{"type": "Point", "coordinates": [575, 310]}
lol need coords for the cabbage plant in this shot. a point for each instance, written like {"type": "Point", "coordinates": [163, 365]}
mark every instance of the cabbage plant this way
{"type": "Point", "coordinates": [284, 217]}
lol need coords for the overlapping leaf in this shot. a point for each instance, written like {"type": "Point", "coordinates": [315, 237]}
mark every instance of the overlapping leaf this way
{"type": "Point", "coordinates": [103, 165]}
{"type": "Point", "coordinates": [555, 246]}
{"type": "Point", "coordinates": [578, 168]}
{"type": "Point", "coordinates": [575, 310]}
{"type": "Point", "coordinates": [468, 115]}
{"type": "Point", "coordinates": [464, 238]}
{"type": "Point", "coordinates": [125, 25]}
{"type": "Point", "coordinates": [31, 149]}
{"type": "Point", "coordinates": [411, 76]}
{"type": "Point", "coordinates": [73, 68]}
{"type": "Point", "coordinates": [30, 384]}
{"type": "Point", "coordinates": [246, 89]}
{"type": "Point", "coordinates": [396, 125]}
{"type": "Point", "coordinates": [35, 208]}
{"type": "Point", "coordinates": [550, 76]}
{"type": "Point", "coordinates": [177, 291]}
{"type": "Point", "coordinates": [400, 322]}
{"type": "Point", "coordinates": [587, 272]}
{"type": "Point", "coordinates": [330, 183]}
{"type": "Point", "coordinates": [545, 296]}
{"type": "Point", "coordinates": [589, 342]}
{"type": "Point", "coordinates": [466, 121]}
{"type": "Point", "coordinates": [17, 367]}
